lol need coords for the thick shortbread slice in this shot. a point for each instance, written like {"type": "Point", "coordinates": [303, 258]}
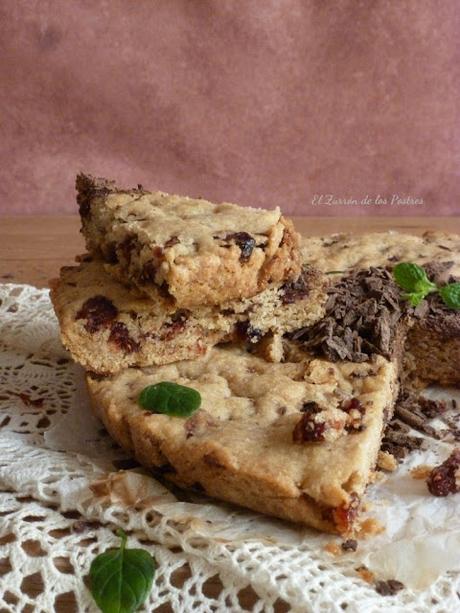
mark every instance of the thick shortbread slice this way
{"type": "Point", "coordinates": [197, 252]}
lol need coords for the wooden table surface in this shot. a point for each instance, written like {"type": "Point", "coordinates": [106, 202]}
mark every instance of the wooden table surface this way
{"type": "Point", "coordinates": [32, 249]}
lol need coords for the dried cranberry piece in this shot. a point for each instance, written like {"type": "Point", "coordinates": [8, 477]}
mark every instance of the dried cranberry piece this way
{"type": "Point", "coordinates": [110, 253]}
{"type": "Point", "coordinates": [126, 247]}
{"type": "Point", "coordinates": [99, 312]}
{"type": "Point", "coordinates": [307, 430]}
{"type": "Point", "coordinates": [345, 515]}
{"type": "Point", "coordinates": [245, 242]}
{"type": "Point", "coordinates": [28, 401]}
{"type": "Point", "coordinates": [310, 407]}
{"type": "Point", "coordinates": [294, 290]}
{"type": "Point", "coordinates": [148, 272]}
{"type": "Point", "coordinates": [247, 332]}
{"type": "Point", "coordinates": [176, 325]}
{"type": "Point", "coordinates": [211, 460]}
{"type": "Point", "coordinates": [171, 242]}
{"type": "Point", "coordinates": [119, 335]}
{"type": "Point", "coordinates": [443, 479]}
{"type": "Point", "coordinates": [353, 405]}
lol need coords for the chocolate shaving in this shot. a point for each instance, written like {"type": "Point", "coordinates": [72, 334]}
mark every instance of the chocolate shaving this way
{"type": "Point", "coordinates": [399, 443]}
{"type": "Point", "coordinates": [388, 588]}
{"type": "Point", "coordinates": [432, 314]}
{"type": "Point", "coordinates": [415, 411]}
{"type": "Point", "coordinates": [171, 242]}
{"type": "Point", "coordinates": [349, 545]}
{"type": "Point", "coordinates": [438, 272]}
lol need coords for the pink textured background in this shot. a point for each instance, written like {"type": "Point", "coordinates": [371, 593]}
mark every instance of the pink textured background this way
{"type": "Point", "coordinates": [260, 102]}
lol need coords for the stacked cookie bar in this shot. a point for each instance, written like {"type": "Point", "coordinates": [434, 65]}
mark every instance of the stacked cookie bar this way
{"type": "Point", "coordinates": [166, 278]}
{"type": "Point", "coordinates": [297, 351]}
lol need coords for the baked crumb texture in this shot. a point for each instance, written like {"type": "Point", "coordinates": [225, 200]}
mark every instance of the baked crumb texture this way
{"type": "Point", "coordinates": [244, 446]}
{"type": "Point", "coordinates": [108, 326]}
{"type": "Point", "coordinates": [194, 251]}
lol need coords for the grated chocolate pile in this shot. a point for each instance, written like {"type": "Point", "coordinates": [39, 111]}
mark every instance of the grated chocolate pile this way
{"type": "Point", "coordinates": [362, 316]}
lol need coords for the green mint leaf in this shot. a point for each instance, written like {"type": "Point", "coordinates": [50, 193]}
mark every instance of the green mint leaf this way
{"type": "Point", "coordinates": [121, 579]}
{"type": "Point", "coordinates": [411, 277]}
{"type": "Point", "coordinates": [170, 398]}
{"type": "Point", "coordinates": [450, 295]}
{"type": "Point", "coordinates": [414, 280]}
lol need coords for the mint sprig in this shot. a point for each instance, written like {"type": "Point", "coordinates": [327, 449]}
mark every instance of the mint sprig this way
{"type": "Point", "coordinates": [413, 279]}
{"type": "Point", "coordinates": [170, 398]}
{"type": "Point", "coordinates": [121, 579]}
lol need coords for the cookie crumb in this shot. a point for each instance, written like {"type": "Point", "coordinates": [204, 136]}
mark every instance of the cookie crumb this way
{"type": "Point", "coordinates": [421, 472]}
{"type": "Point", "coordinates": [365, 574]}
{"type": "Point", "coordinates": [387, 461]}
{"type": "Point", "coordinates": [369, 527]}
{"type": "Point", "coordinates": [332, 548]}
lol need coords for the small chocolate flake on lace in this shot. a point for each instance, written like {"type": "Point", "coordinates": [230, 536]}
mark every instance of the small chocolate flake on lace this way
{"type": "Point", "coordinates": [350, 545]}
{"type": "Point", "coordinates": [388, 588]}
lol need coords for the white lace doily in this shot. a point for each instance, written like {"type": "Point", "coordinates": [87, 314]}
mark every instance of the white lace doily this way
{"type": "Point", "coordinates": [62, 497]}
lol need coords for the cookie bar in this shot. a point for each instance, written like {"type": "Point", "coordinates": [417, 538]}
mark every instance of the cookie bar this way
{"type": "Point", "coordinates": [337, 252]}
{"type": "Point", "coordinates": [432, 350]}
{"type": "Point", "coordinates": [108, 326]}
{"type": "Point", "coordinates": [194, 251]}
{"type": "Point", "coordinates": [297, 440]}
